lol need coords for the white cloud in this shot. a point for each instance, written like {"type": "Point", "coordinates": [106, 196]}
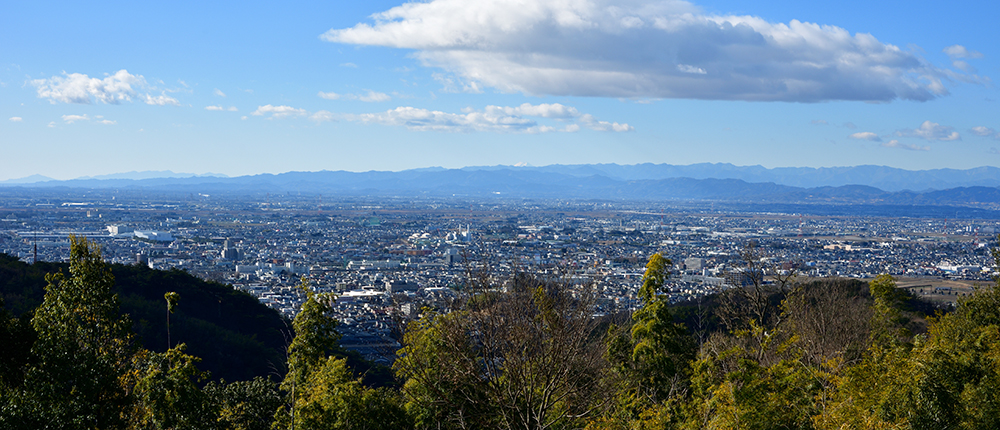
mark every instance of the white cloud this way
{"type": "Point", "coordinates": [82, 89]}
{"type": "Point", "coordinates": [896, 144]}
{"type": "Point", "coordinates": [931, 131]}
{"type": "Point", "coordinates": [544, 110]}
{"type": "Point", "coordinates": [985, 132]}
{"type": "Point", "coordinates": [959, 51]}
{"type": "Point", "coordinates": [351, 65]}
{"type": "Point", "coordinates": [323, 116]}
{"type": "Point", "coordinates": [866, 135]}
{"type": "Point", "coordinates": [52, 124]}
{"type": "Point", "coordinates": [278, 111]}
{"type": "Point", "coordinates": [451, 84]}
{"type": "Point", "coordinates": [982, 131]}
{"type": "Point", "coordinates": [502, 119]}
{"type": "Point", "coordinates": [691, 69]}
{"type": "Point", "coordinates": [107, 122]}
{"type": "Point", "coordinates": [69, 119]}
{"type": "Point", "coordinates": [161, 100]}
{"type": "Point", "coordinates": [646, 48]}
{"type": "Point", "coordinates": [219, 93]}
{"type": "Point", "coordinates": [220, 108]}
{"type": "Point", "coordinates": [588, 121]}
{"type": "Point", "coordinates": [371, 96]}
{"type": "Point", "coordinates": [113, 89]}
{"type": "Point", "coordinates": [16, 119]}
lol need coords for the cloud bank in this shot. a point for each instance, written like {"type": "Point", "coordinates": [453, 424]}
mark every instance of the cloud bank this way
{"type": "Point", "coordinates": [648, 49]}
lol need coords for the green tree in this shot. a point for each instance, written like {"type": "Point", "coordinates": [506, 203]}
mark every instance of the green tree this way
{"type": "Point", "coordinates": [166, 392]}
{"type": "Point", "coordinates": [527, 355]}
{"type": "Point", "coordinates": [172, 298]}
{"type": "Point", "coordinates": [82, 357]}
{"type": "Point", "coordinates": [650, 359]}
{"type": "Point", "coordinates": [322, 394]}
{"type": "Point", "coordinates": [245, 405]}
{"type": "Point", "coordinates": [872, 394]}
{"type": "Point", "coordinates": [661, 348]}
{"type": "Point", "coordinates": [17, 337]}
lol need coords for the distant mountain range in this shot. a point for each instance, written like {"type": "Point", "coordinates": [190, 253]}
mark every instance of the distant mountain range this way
{"type": "Point", "coordinates": [148, 174]}
{"type": "Point", "coordinates": [881, 177]}
{"type": "Point", "coordinates": [869, 185]}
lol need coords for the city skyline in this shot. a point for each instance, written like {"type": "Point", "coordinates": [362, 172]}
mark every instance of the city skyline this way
{"type": "Point", "coordinates": [237, 89]}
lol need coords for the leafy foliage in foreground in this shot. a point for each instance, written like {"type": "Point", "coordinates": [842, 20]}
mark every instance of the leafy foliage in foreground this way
{"type": "Point", "coordinates": [527, 353]}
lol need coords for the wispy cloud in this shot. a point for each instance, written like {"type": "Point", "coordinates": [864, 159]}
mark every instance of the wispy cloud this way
{"type": "Point", "coordinates": [278, 111]}
{"type": "Point", "coordinates": [959, 54]}
{"type": "Point", "coordinates": [16, 119]}
{"type": "Point", "coordinates": [69, 119]}
{"type": "Point", "coordinates": [866, 135]}
{"type": "Point", "coordinates": [219, 93]}
{"type": "Point", "coordinates": [983, 131]}
{"type": "Point", "coordinates": [220, 108]}
{"type": "Point", "coordinates": [896, 144]}
{"type": "Point", "coordinates": [323, 116]}
{"type": "Point", "coordinates": [930, 131]}
{"type": "Point", "coordinates": [647, 48]}
{"type": "Point", "coordinates": [501, 119]}
{"type": "Point", "coordinates": [161, 100]}
{"type": "Point", "coordinates": [370, 96]}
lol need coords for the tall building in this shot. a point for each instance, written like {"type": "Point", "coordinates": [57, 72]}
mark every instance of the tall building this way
{"type": "Point", "coordinates": [230, 253]}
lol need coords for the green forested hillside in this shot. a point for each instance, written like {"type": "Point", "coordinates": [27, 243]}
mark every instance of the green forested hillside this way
{"type": "Point", "coordinates": [235, 336]}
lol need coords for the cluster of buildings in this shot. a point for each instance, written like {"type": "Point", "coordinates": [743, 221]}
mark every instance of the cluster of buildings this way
{"type": "Point", "coordinates": [385, 260]}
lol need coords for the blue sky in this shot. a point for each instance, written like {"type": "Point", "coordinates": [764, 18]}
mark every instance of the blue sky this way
{"type": "Point", "coordinates": [262, 87]}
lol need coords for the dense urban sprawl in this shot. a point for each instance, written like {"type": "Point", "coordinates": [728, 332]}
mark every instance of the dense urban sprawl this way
{"type": "Point", "coordinates": [388, 258]}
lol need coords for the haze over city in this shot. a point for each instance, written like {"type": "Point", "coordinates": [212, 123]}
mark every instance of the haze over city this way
{"type": "Point", "coordinates": [245, 88]}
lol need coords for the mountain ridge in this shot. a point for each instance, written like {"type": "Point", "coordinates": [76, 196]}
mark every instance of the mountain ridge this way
{"type": "Point", "coordinates": [607, 182]}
